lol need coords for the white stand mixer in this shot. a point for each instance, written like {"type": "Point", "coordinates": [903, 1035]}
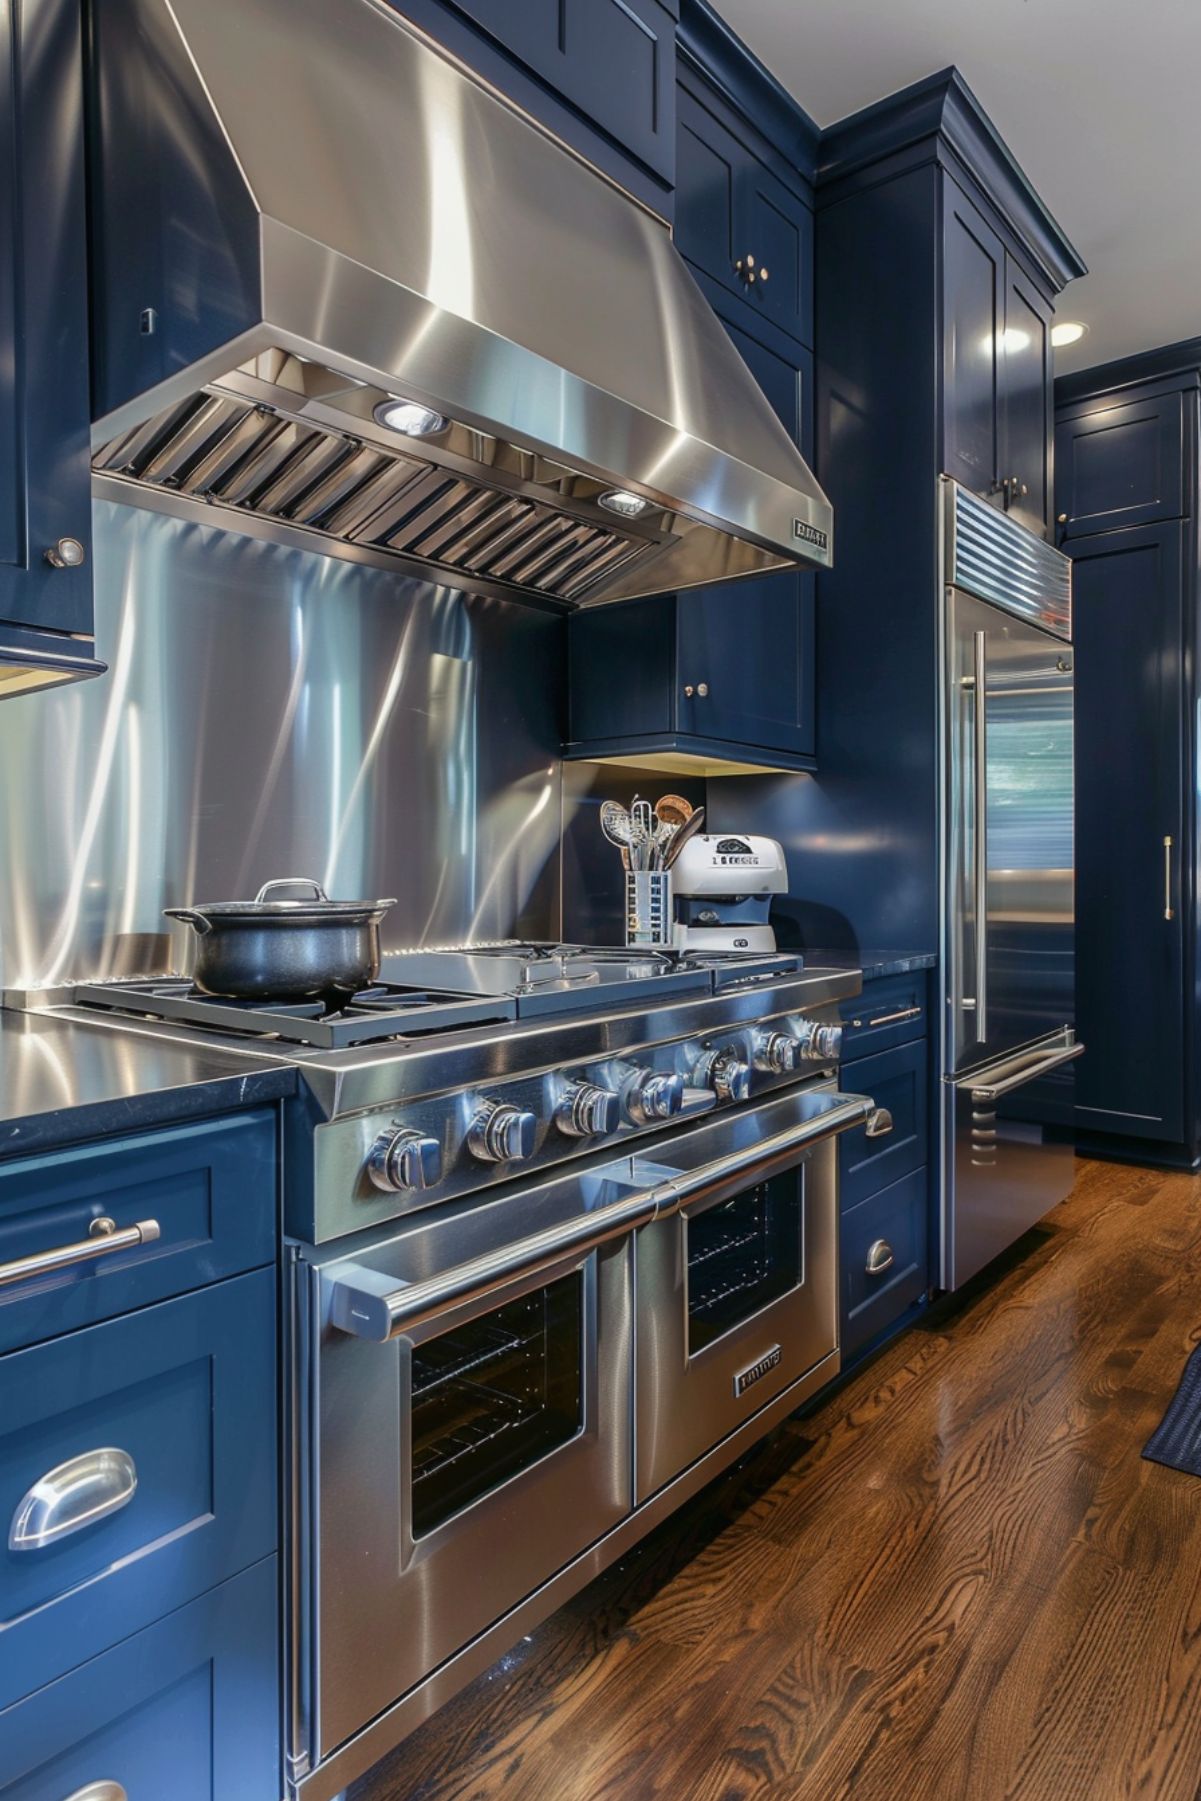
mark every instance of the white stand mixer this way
{"type": "Point", "coordinates": [722, 884]}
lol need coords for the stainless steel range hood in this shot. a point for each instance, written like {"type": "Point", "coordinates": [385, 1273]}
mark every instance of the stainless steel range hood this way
{"type": "Point", "coordinates": [304, 210]}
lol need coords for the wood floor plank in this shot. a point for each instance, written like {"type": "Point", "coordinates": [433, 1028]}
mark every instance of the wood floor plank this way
{"type": "Point", "coordinates": [954, 1579]}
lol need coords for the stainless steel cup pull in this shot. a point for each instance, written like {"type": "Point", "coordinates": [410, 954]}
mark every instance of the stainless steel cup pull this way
{"type": "Point", "coordinates": [879, 1123]}
{"type": "Point", "coordinates": [99, 1791]}
{"type": "Point", "coordinates": [102, 1240]}
{"type": "Point", "coordinates": [71, 1496]}
{"type": "Point", "coordinates": [879, 1257]}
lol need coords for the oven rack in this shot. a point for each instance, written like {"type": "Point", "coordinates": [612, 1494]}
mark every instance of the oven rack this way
{"type": "Point", "coordinates": [717, 1291]}
{"type": "Point", "coordinates": [469, 1437]}
{"type": "Point", "coordinates": [728, 1245]}
{"type": "Point", "coordinates": [457, 1365]}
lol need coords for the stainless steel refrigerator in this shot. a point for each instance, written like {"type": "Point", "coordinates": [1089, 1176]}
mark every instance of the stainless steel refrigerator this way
{"type": "Point", "coordinates": [1008, 884]}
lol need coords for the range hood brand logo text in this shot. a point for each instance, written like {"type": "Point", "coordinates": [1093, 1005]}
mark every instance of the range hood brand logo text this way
{"type": "Point", "coordinates": [810, 534]}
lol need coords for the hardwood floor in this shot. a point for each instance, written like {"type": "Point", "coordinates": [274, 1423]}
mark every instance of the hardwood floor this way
{"type": "Point", "coordinates": [955, 1580]}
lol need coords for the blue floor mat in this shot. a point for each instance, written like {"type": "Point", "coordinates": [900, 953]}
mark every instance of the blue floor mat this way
{"type": "Point", "coordinates": [1176, 1440]}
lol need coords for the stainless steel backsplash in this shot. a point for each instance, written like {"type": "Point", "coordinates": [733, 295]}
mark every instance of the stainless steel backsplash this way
{"type": "Point", "coordinates": [270, 711]}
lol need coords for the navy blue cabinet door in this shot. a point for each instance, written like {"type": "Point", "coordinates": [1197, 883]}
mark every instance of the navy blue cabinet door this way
{"type": "Point", "coordinates": [1130, 1002]}
{"type": "Point", "coordinates": [734, 218]}
{"type": "Point", "coordinates": [750, 644]}
{"type": "Point", "coordinates": [614, 60]}
{"type": "Point", "coordinates": [44, 410]}
{"type": "Point", "coordinates": [1120, 465]}
{"type": "Point", "coordinates": [973, 320]}
{"type": "Point", "coordinates": [1028, 401]}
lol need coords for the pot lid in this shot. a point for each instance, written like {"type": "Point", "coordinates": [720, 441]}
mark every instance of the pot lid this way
{"type": "Point", "coordinates": [315, 906]}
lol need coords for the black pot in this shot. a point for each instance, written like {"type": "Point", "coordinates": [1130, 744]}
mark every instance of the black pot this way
{"type": "Point", "coordinates": [286, 950]}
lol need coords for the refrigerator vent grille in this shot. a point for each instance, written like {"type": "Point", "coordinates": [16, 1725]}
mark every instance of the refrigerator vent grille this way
{"type": "Point", "coordinates": [999, 560]}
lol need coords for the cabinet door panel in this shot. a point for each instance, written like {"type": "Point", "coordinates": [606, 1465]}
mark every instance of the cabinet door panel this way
{"type": "Point", "coordinates": [709, 164]}
{"type": "Point", "coordinates": [1128, 603]}
{"type": "Point", "coordinates": [613, 59]}
{"type": "Point", "coordinates": [45, 478]}
{"type": "Point", "coordinates": [776, 227]}
{"type": "Point", "coordinates": [751, 643]}
{"type": "Point", "coordinates": [1121, 465]}
{"type": "Point", "coordinates": [1029, 400]}
{"type": "Point", "coordinates": [973, 285]}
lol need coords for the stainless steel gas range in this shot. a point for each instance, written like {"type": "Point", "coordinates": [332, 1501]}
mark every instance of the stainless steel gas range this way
{"type": "Point", "coordinates": [562, 1243]}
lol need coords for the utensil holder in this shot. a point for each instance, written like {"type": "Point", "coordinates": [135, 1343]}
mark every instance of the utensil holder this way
{"type": "Point", "coordinates": [648, 908]}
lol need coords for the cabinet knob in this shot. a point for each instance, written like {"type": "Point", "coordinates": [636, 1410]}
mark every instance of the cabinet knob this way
{"type": "Point", "coordinates": [66, 553]}
{"type": "Point", "coordinates": [701, 690]}
{"type": "Point", "coordinates": [1061, 518]}
{"type": "Point", "coordinates": [745, 266]}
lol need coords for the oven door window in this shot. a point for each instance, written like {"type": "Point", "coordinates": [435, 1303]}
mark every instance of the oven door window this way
{"type": "Point", "coordinates": [493, 1397]}
{"type": "Point", "coordinates": [743, 1255]}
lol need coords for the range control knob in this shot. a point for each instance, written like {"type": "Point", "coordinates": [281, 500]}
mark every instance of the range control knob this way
{"type": "Point", "coordinates": [820, 1044]}
{"type": "Point", "coordinates": [501, 1133]}
{"type": "Point", "coordinates": [724, 1071]}
{"type": "Point", "coordinates": [403, 1160]}
{"type": "Point", "coordinates": [777, 1052]}
{"type": "Point", "coordinates": [588, 1111]}
{"type": "Point", "coordinates": [651, 1097]}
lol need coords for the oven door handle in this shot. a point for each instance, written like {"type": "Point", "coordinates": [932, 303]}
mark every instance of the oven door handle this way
{"type": "Point", "coordinates": [370, 1304]}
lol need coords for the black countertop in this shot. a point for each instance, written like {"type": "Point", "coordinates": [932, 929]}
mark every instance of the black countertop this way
{"type": "Point", "coordinates": [873, 963]}
{"type": "Point", "coordinates": [61, 1081]}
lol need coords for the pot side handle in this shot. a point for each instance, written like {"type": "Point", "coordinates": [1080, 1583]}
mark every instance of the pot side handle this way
{"type": "Point", "coordinates": [202, 925]}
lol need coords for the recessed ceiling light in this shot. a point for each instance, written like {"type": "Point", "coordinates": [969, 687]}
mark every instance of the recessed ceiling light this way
{"type": "Point", "coordinates": [1067, 331]}
{"type": "Point", "coordinates": [409, 417]}
{"type": "Point", "coordinates": [617, 500]}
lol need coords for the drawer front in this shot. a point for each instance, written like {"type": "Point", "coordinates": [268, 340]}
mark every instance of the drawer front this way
{"type": "Point", "coordinates": [210, 1187]}
{"type": "Point", "coordinates": [180, 1399]}
{"type": "Point", "coordinates": [888, 1230]}
{"type": "Point", "coordinates": [890, 1011]}
{"type": "Point", "coordinates": [187, 1710]}
{"type": "Point", "coordinates": [897, 1080]}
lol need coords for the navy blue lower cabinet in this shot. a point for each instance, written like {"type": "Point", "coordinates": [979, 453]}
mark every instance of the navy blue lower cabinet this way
{"type": "Point", "coordinates": [896, 1080]}
{"type": "Point", "coordinates": [187, 1710]}
{"type": "Point", "coordinates": [210, 1188]}
{"type": "Point", "coordinates": [137, 1469]}
{"type": "Point", "coordinates": [883, 1261]}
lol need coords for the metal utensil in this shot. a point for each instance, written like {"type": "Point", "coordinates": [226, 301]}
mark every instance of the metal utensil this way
{"type": "Point", "coordinates": [616, 824]}
{"type": "Point", "coordinates": [642, 844]}
{"type": "Point", "coordinates": [689, 829]}
{"type": "Point", "coordinates": [673, 809]}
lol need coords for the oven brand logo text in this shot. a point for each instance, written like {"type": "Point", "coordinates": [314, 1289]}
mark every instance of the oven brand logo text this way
{"type": "Point", "coordinates": [747, 1378]}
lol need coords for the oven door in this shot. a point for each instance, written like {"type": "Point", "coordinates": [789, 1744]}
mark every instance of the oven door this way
{"type": "Point", "coordinates": [456, 1467]}
{"type": "Point", "coordinates": [736, 1298]}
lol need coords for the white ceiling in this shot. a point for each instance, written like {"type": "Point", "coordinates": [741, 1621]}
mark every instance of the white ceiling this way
{"type": "Point", "coordinates": [1099, 100]}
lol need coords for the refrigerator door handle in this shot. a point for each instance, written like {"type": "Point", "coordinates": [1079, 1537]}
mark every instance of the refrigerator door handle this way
{"type": "Point", "coordinates": [1039, 1065]}
{"type": "Point", "coordinates": [980, 657]}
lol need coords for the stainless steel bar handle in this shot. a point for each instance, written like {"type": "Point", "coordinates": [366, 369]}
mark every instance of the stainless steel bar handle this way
{"type": "Point", "coordinates": [358, 1309]}
{"type": "Point", "coordinates": [1041, 1066]}
{"type": "Point", "coordinates": [103, 1239]}
{"type": "Point", "coordinates": [1167, 877]}
{"type": "Point", "coordinates": [980, 652]}
{"type": "Point", "coordinates": [891, 1019]}
{"type": "Point", "coordinates": [355, 1309]}
{"type": "Point", "coordinates": [845, 1110]}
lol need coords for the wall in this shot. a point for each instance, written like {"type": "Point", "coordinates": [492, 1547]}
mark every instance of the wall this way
{"type": "Point", "coordinates": [270, 711]}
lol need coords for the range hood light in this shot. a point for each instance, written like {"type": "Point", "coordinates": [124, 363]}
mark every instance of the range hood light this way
{"type": "Point", "coordinates": [617, 500]}
{"type": "Point", "coordinates": [410, 417]}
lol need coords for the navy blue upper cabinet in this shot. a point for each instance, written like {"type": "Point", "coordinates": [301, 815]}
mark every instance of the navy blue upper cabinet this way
{"type": "Point", "coordinates": [608, 64]}
{"type": "Point", "coordinates": [1120, 464]}
{"type": "Point", "coordinates": [738, 222]}
{"type": "Point", "coordinates": [724, 676]}
{"type": "Point", "coordinates": [45, 494]}
{"type": "Point", "coordinates": [997, 381]}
